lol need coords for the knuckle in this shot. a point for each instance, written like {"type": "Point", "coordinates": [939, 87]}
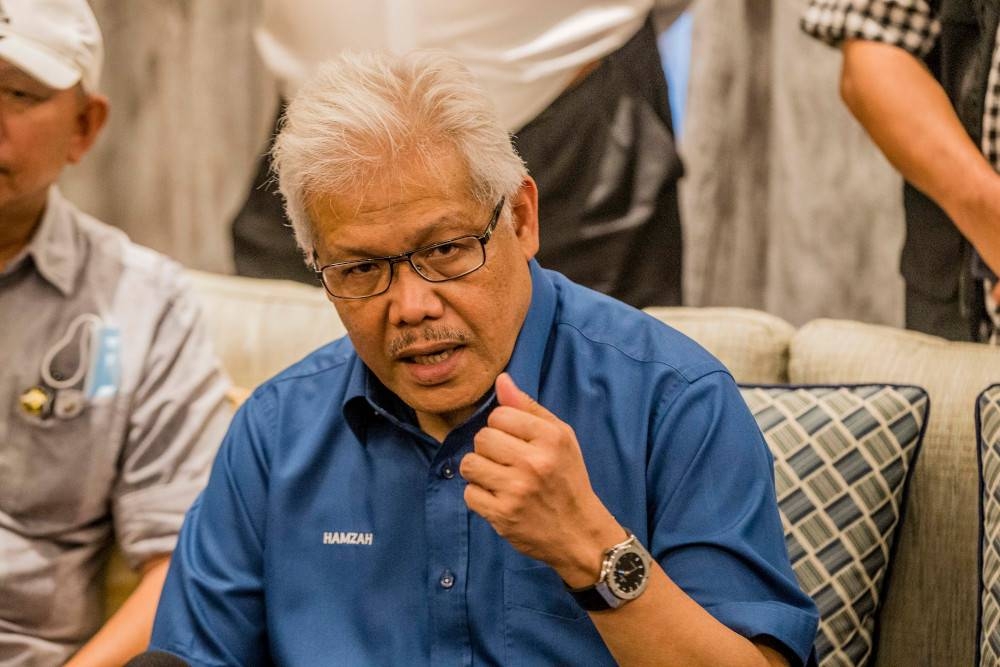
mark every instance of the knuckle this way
{"type": "Point", "coordinates": [550, 432]}
{"type": "Point", "coordinates": [519, 488]}
{"type": "Point", "coordinates": [566, 430]}
{"type": "Point", "coordinates": [543, 464]}
{"type": "Point", "coordinates": [510, 516]}
{"type": "Point", "coordinates": [544, 468]}
{"type": "Point", "coordinates": [498, 415]}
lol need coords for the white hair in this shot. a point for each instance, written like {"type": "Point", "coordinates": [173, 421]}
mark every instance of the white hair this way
{"type": "Point", "coordinates": [364, 114]}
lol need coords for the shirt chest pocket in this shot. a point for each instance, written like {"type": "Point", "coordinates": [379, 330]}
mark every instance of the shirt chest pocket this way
{"type": "Point", "coordinates": [543, 623]}
{"type": "Point", "coordinates": [60, 469]}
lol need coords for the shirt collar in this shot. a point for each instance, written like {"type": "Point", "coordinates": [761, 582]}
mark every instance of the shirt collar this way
{"type": "Point", "coordinates": [53, 247]}
{"type": "Point", "coordinates": [367, 398]}
{"type": "Point", "coordinates": [356, 407]}
{"type": "Point", "coordinates": [527, 360]}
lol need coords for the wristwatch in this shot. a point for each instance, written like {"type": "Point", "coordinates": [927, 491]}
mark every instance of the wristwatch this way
{"type": "Point", "coordinates": [623, 578]}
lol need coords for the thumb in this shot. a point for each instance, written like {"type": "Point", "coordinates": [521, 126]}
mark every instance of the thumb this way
{"type": "Point", "coordinates": [510, 394]}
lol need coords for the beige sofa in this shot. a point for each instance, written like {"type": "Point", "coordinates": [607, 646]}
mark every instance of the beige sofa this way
{"type": "Point", "coordinates": [929, 615]}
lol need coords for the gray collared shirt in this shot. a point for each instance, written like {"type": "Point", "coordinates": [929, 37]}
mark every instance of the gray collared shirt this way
{"type": "Point", "coordinates": [123, 464]}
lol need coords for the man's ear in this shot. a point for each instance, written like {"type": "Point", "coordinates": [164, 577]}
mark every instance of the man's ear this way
{"type": "Point", "coordinates": [524, 207]}
{"type": "Point", "coordinates": [90, 118]}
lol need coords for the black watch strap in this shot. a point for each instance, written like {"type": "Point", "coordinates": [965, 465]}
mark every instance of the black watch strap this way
{"type": "Point", "coordinates": [589, 598]}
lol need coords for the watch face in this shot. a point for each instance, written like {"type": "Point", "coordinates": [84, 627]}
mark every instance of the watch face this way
{"type": "Point", "coordinates": [629, 574]}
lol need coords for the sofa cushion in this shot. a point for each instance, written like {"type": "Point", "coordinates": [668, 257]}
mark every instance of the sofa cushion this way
{"type": "Point", "coordinates": [935, 571]}
{"type": "Point", "coordinates": [753, 345]}
{"type": "Point", "coordinates": [988, 434]}
{"type": "Point", "coordinates": [260, 326]}
{"type": "Point", "coordinates": [842, 460]}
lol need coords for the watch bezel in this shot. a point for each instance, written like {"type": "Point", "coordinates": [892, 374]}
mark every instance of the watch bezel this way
{"type": "Point", "coordinates": [602, 595]}
{"type": "Point", "coordinates": [614, 558]}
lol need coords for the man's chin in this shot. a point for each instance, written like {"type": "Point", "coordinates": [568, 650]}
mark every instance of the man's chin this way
{"type": "Point", "coordinates": [453, 404]}
{"type": "Point", "coordinates": [439, 400]}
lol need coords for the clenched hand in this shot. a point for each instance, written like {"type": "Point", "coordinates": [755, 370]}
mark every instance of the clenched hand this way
{"type": "Point", "coordinates": [527, 478]}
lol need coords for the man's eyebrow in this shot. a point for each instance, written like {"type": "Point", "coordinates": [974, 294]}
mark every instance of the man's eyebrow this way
{"type": "Point", "coordinates": [440, 229]}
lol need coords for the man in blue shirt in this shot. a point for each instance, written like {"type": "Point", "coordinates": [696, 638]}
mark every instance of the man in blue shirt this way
{"type": "Point", "coordinates": [496, 466]}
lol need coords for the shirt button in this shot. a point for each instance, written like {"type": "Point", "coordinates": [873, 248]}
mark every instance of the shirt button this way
{"type": "Point", "coordinates": [447, 579]}
{"type": "Point", "coordinates": [448, 469]}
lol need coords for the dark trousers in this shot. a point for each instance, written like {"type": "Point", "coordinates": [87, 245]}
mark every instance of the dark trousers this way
{"type": "Point", "coordinates": [604, 157]}
{"type": "Point", "coordinates": [605, 160]}
{"type": "Point", "coordinates": [943, 274]}
{"type": "Point", "coordinates": [263, 243]}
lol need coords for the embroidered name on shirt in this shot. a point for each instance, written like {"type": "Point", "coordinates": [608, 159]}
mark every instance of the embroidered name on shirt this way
{"type": "Point", "coordinates": [341, 537]}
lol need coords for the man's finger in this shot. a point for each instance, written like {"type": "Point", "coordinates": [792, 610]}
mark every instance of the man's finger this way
{"type": "Point", "coordinates": [483, 472]}
{"type": "Point", "coordinates": [510, 394]}
{"type": "Point", "coordinates": [499, 446]}
{"type": "Point", "coordinates": [522, 425]}
{"type": "Point", "coordinates": [480, 501]}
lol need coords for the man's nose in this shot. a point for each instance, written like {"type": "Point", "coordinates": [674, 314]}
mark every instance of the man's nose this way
{"type": "Point", "coordinates": [412, 299]}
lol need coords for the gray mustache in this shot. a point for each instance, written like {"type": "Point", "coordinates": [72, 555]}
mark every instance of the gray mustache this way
{"type": "Point", "coordinates": [407, 338]}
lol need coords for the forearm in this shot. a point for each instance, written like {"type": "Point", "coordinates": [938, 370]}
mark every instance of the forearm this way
{"type": "Point", "coordinates": [910, 118]}
{"type": "Point", "coordinates": [127, 632]}
{"type": "Point", "coordinates": [663, 626]}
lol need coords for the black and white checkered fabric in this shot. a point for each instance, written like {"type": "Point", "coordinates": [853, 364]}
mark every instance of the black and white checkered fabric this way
{"type": "Point", "coordinates": [842, 459]}
{"type": "Point", "coordinates": [908, 24]}
{"type": "Point", "coordinates": [991, 111]}
{"type": "Point", "coordinates": [988, 430]}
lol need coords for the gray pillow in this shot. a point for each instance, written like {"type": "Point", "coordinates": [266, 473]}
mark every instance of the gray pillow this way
{"type": "Point", "coordinates": [988, 439]}
{"type": "Point", "coordinates": [843, 456]}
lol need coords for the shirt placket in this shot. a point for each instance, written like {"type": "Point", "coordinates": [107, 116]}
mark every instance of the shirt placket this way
{"type": "Point", "coordinates": [447, 525]}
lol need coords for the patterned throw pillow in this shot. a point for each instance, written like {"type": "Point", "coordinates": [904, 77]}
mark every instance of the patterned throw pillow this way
{"type": "Point", "coordinates": [842, 459]}
{"type": "Point", "coordinates": [988, 437]}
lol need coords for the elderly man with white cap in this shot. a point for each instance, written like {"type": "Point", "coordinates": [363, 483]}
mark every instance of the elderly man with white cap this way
{"type": "Point", "coordinates": [111, 400]}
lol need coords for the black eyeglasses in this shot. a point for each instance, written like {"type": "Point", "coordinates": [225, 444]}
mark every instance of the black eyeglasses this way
{"type": "Point", "coordinates": [436, 263]}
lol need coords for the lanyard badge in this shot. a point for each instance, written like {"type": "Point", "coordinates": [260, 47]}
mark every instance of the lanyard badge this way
{"type": "Point", "coordinates": [99, 362]}
{"type": "Point", "coordinates": [104, 375]}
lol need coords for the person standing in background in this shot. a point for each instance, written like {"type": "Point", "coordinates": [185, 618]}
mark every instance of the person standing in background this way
{"type": "Point", "coordinates": [579, 85]}
{"type": "Point", "coordinates": [923, 78]}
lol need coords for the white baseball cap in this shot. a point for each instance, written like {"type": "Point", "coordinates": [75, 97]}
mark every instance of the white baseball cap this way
{"type": "Point", "coordinates": [57, 42]}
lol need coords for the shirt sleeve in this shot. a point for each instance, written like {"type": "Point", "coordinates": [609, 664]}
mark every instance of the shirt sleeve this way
{"type": "Point", "coordinates": [715, 527]}
{"type": "Point", "coordinates": [212, 609]}
{"type": "Point", "coordinates": [909, 24]}
{"type": "Point", "coordinates": [177, 417]}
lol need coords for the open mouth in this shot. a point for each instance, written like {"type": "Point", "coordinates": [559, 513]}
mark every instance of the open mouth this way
{"type": "Point", "coordinates": [430, 358]}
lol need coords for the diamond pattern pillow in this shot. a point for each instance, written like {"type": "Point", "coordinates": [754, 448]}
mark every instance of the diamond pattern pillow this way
{"type": "Point", "coordinates": [842, 459]}
{"type": "Point", "coordinates": [988, 438]}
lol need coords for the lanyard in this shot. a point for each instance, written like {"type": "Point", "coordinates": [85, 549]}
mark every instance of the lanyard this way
{"type": "Point", "coordinates": [99, 360]}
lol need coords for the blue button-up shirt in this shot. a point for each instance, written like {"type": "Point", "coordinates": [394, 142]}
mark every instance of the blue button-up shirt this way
{"type": "Point", "coordinates": [333, 531]}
